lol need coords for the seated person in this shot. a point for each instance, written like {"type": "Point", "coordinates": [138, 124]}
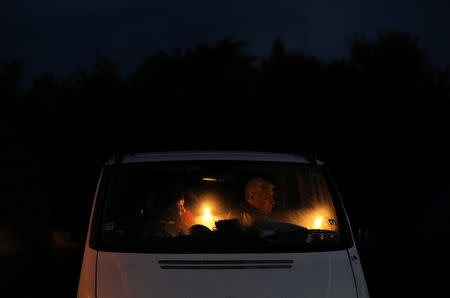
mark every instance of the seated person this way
{"type": "Point", "coordinates": [149, 223]}
{"type": "Point", "coordinates": [178, 219]}
{"type": "Point", "coordinates": [258, 201]}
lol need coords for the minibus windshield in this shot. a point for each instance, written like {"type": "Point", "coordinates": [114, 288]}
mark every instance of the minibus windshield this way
{"type": "Point", "coordinates": [187, 207]}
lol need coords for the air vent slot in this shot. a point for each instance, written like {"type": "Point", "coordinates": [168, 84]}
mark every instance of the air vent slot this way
{"type": "Point", "coordinates": [225, 264]}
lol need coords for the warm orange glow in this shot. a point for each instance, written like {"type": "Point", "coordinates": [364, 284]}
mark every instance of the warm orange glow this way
{"type": "Point", "coordinates": [209, 179]}
{"type": "Point", "coordinates": [207, 219]}
{"type": "Point", "coordinates": [320, 217]}
{"type": "Point", "coordinates": [206, 214]}
{"type": "Point", "coordinates": [317, 223]}
{"type": "Point", "coordinates": [208, 210]}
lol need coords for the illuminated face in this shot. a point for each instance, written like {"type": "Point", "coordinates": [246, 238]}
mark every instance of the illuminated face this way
{"type": "Point", "coordinates": [263, 199]}
{"type": "Point", "coordinates": [180, 205]}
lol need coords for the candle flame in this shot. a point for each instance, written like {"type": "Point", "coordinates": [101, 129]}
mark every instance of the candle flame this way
{"type": "Point", "coordinates": [320, 217]}
{"type": "Point", "coordinates": [207, 214]}
{"type": "Point", "coordinates": [206, 218]}
{"type": "Point", "coordinates": [317, 223]}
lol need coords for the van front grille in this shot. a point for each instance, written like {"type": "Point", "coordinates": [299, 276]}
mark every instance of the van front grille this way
{"type": "Point", "coordinates": [225, 264]}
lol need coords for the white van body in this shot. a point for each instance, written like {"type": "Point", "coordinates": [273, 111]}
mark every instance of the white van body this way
{"type": "Point", "coordinates": [106, 274]}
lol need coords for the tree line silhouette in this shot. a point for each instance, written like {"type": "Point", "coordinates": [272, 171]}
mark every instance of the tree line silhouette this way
{"type": "Point", "coordinates": [378, 119]}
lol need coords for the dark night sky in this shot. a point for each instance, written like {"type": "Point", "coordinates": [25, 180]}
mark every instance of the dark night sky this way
{"type": "Point", "coordinates": [62, 36]}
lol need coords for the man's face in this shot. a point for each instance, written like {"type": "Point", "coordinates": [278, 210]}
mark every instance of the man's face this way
{"type": "Point", "coordinates": [263, 200]}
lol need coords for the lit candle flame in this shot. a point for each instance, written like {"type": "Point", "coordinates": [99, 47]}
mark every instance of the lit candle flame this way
{"type": "Point", "coordinates": [207, 219]}
{"type": "Point", "coordinates": [317, 223]}
{"type": "Point", "coordinates": [207, 214]}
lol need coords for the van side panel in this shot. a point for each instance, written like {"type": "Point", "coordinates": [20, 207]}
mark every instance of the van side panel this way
{"type": "Point", "coordinates": [358, 273]}
{"type": "Point", "coordinates": [88, 279]}
{"type": "Point", "coordinates": [87, 283]}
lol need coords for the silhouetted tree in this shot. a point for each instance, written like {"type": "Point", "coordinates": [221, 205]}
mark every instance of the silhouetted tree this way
{"type": "Point", "coordinates": [11, 75]}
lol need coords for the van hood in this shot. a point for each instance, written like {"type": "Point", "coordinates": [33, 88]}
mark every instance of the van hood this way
{"type": "Point", "coordinates": [312, 274]}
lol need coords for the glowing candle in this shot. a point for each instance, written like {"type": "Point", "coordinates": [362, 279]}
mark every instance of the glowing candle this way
{"type": "Point", "coordinates": [207, 219]}
{"type": "Point", "coordinates": [206, 215]}
{"type": "Point", "coordinates": [317, 223]}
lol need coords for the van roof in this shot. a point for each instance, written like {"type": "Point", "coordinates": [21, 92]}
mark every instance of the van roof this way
{"type": "Point", "coordinates": [214, 155]}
